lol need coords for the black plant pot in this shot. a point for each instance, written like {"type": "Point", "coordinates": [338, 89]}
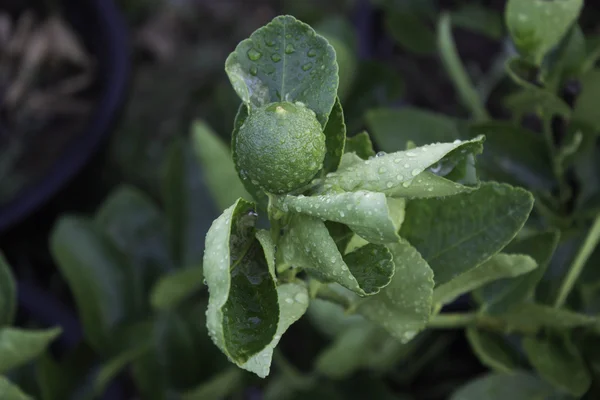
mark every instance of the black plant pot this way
{"type": "Point", "coordinates": [35, 304]}
{"type": "Point", "coordinates": [102, 29]}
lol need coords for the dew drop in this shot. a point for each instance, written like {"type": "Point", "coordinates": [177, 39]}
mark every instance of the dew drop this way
{"type": "Point", "coordinates": [301, 298]}
{"type": "Point", "coordinates": [389, 185]}
{"type": "Point", "coordinates": [275, 57]}
{"type": "Point", "coordinates": [307, 66]}
{"type": "Point", "coordinates": [382, 170]}
{"type": "Point", "coordinates": [270, 42]}
{"type": "Point", "coordinates": [410, 154]}
{"type": "Point", "coordinates": [289, 300]}
{"type": "Point", "coordinates": [415, 172]}
{"type": "Point", "coordinates": [312, 53]}
{"type": "Point", "coordinates": [399, 177]}
{"type": "Point", "coordinates": [289, 49]}
{"type": "Point", "coordinates": [407, 183]}
{"type": "Point", "coordinates": [253, 70]}
{"type": "Point", "coordinates": [254, 54]}
{"type": "Point", "coordinates": [380, 154]}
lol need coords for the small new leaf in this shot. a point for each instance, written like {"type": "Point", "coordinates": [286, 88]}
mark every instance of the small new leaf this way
{"type": "Point", "coordinates": [335, 137]}
{"type": "Point", "coordinates": [19, 346]}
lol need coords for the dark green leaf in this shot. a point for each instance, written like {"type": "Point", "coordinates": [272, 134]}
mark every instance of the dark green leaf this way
{"type": "Point", "coordinates": [98, 276]}
{"type": "Point", "coordinates": [479, 19]}
{"type": "Point", "coordinates": [537, 26]}
{"type": "Point", "coordinates": [492, 350]}
{"type": "Point", "coordinates": [219, 387]}
{"type": "Point", "coordinates": [114, 367]}
{"type": "Point", "coordinates": [8, 391]}
{"type": "Point", "coordinates": [8, 294]}
{"type": "Point", "coordinates": [243, 310]}
{"type": "Point", "coordinates": [393, 128]}
{"type": "Point", "coordinates": [361, 145]}
{"type": "Point", "coordinates": [172, 289]}
{"type": "Point", "coordinates": [404, 306]}
{"type": "Point", "coordinates": [217, 166]}
{"type": "Point", "coordinates": [559, 362]}
{"type": "Point", "coordinates": [308, 244]}
{"type": "Point", "coordinates": [370, 215]}
{"type": "Point", "coordinates": [18, 347]}
{"type": "Point", "coordinates": [335, 137]}
{"type": "Point", "coordinates": [411, 32]}
{"type": "Point", "coordinates": [285, 61]}
{"type": "Point", "coordinates": [475, 227]}
{"type": "Point", "coordinates": [586, 110]}
{"type": "Point", "coordinates": [520, 385]}
{"type": "Point", "coordinates": [498, 267]}
{"type": "Point", "coordinates": [55, 380]}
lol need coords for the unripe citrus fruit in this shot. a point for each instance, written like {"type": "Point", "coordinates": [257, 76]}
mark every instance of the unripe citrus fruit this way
{"type": "Point", "coordinates": [280, 147]}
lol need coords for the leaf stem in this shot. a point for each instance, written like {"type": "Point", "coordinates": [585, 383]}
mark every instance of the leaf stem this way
{"type": "Point", "coordinates": [327, 294]}
{"type": "Point", "coordinates": [590, 243]}
{"type": "Point", "coordinates": [462, 320]}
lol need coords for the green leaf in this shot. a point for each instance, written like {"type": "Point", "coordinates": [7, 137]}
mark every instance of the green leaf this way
{"type": "Point", "coordinates": [479, 19]}
{"type": "Point", "coordinates": [243, 309]}
{"type": "Point", "coordinates": [8, 293]}
{"type": "Point", "coordinates": [513, 154]}
{"type": "Point", "coordinates": [217, 165]}
{"type": "Point", "coordinates": [135, 226]}
{"type": "Point", "coordinates": [185, 202]}
{"type": "Point", "coordinates": [519, 385]}
{"type": "Point", "coordinates": [409, 173]}
{"type": "Point", "coordinates": [403, 307]}
{"type": "Point", "coordinates": [172, 289]}
{"type": "Point", "coordinates": [307, 244]}
{"type": "Point", "coordinates": [393, 128]}
{"type": "Point", "coordinates": [454, 67]}
{"type": "Point", "coordinates": [558, 361]}
{"type": "Point", "coordinates": [586, 110]}
{"type": "Point", "coordinates": [257, 193]}
{"type": "Point", "coordinates": [370, 215]}
{"type": "Point", "coordinates": [492, 350]}
{"type": "Point", "coordinates": [459, 233]}
{"type": "Point", "coordinates": [114, 366]}
{"type": "Point", "coordinates": [410, 32]}
{"type": "Point", "coordinates": [293, 302]}
{"type": "Point", "coordinates": [219, 387]}
{"type": "Point", "coordinates": [501, 294]}
{"type": "Point", "coordinates": [532, 317]}
{"type": "Point", "coordinates": [18, 346]}
{"type": "Point", "coordinates": [285, 61]}
{"type": "Point", "coordinates": [498, 267]}
{"type": "Point", "coordinates": [361, 145]}
{"type": "Point", "coordinates": [330, 318]}
{"type": "Point", "coordinates": [335, 137]}
{"type": "Point", "coordinates": [98, 277]}
{"type": "Point", "coordinates": [8, 391]}
{"type": "Point", "coordinates": [537, 26]}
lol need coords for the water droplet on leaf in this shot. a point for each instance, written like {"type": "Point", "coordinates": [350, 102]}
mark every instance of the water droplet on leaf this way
{"type": "Point", "coordinates": [254, 54]}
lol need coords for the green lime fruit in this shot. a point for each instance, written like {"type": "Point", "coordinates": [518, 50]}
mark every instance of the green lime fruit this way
{"type": "Point", "coordinates": [280, 147]}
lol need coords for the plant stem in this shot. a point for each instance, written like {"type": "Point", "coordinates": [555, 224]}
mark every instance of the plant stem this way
{"type": "Point", "coordinates": [463, 320]}
{"type": "Point", "coordinates": [325, 293]}
{"type": "Point", "coordinates": [590, 243]}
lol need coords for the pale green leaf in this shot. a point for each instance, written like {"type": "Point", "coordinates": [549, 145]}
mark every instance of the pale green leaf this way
{"type": "Point", "coordinates": [403, 307]}
{"type": "Point", "coordinates": [492, 350]}
{"type": "Point", "coordinates": [361, 145]}
{"type": "Point", "coordinates": [285, 61]}
{"type": "Point", "coordinates": [18, 346]}
{"type": "Point", "coordinates": [243, 311]}
{"type": "Point", "coordinates": [8, 294]}
{"type": "Point", "coordinates": [458, 233]}
{"type": "Point", "coordinates": [498, 267]}
{"type": "Point", "coordinates": [330, 318]}
{"type": "Point", "coordinates": [173, 288]}
{"type": "Point", "coordinates": [536, 26]}
{"type": "Point", "coordinates": [217, 166]}
{"type": "Point", "coordinates": [308, 244]}
{"type": "Point", "coordinates": [370, 215]}
{"type": "Point", "coordinates": [413, 173]}
{"type": "Point", "coordinates": [218, 387]}
{"type": "Point", "coordinates": [293, 302]}
{"type": "Point", "coordinates": [558, 361]}
{"type": "Point", "coordinates": [9, 391]}
{"type": "Point", "coordinates": [519, 385]}
{"type": "Point", "coordinates": [335, 137]}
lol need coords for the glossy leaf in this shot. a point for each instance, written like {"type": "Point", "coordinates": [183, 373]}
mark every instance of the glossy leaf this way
{"type": "Point", "coordinates": [9, 391]}
{"type": "Point", "coordinates": [558, 361]}
{"type": "Point", "coordinates": [537, 26]}
{"type": "Point", "coordinates": [308, 244]}
{"type": "Point", "coordinates": [585, 110]}
{"type": "Point", "coordinates": [8, 294]}
{"type": "Point", "coordinates": [492, 350]}
{"type": "Point", "coordinates": [18, 346]}
{"type": "Point", "coordinates": [501, 294]}
{"type": "Point", "coordinates": [285, 61]}
{"type": "Point", "coordinates": [293, 302]}
{"type": "Point", "coordinates": [218, 387]}
{"type": "Point", "coordinates": [361, 145]}
{"type": "Point", "coordinates": [520, 385]}
{"type": "Point", "coordinates": [172, 289]}
{"type": "Point", "coordinates": [243, 310]}
{"type": "Point", "coordinates": [498, 267]}
{"type": "Point", "coordinates": [399, 174]}
{"type": "Point", "coordinates": [217, 165]}
{"type": "Point", "coordinates": [475, 227]}
{"type": "Point", "coordinates": [98, 276]}
{"type": "Point", "coordinates": [393, 128]}
{"type": "Point", "coordinates": [403, 307]}
{"type": "Point", "coordinates": [335, 137]}
{"type": "Point", "coordinates": [257, 193]}
{"type": "Point", "coordinates": [370, 215]}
